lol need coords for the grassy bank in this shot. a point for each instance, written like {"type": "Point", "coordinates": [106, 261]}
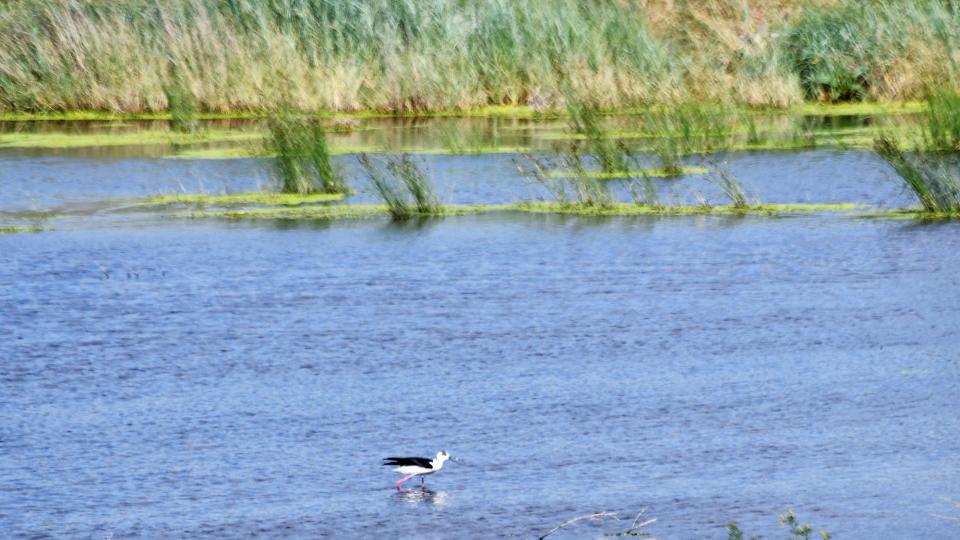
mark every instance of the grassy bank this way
{"type": "Point", "coordinates": [238, 56]}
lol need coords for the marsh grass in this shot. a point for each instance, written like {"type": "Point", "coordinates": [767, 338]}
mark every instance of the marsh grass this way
{"type": "Point", "coordinates": [302, 157]}
{"type": "Point", "coordinates": [943, 119]}
{"type": "Point", "coordinates": [577, 190]}
{"type": "Point", "coordinates": [585, 119]}
{"type": "Point", "coordinates": [675, 132]}
{"type": "Point", "coordinates": [431, 55]}
{"type": "Point", "coordinates": [935, 183]}
{"type": "Point", "coordinates": [728, 183]}
{"type": "Point", "coordinates": [880, 49]}
{"type": "Point", "coordinates": [181, 105]}
{"type": "Point", "coordinates": [404, 187]}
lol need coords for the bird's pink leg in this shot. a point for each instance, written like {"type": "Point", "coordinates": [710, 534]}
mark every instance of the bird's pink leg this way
{"type": "Point", "coordinates": [404, 479]}
{"type": "Point", "coordinates": [421, 483]}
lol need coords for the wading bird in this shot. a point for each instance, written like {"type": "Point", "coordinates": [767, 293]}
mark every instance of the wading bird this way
{"type": "Point", "coordinates": [416, 466]}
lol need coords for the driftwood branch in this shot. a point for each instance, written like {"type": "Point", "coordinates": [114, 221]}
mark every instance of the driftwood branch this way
{"type": "Point", "coordinates": [593, 516]}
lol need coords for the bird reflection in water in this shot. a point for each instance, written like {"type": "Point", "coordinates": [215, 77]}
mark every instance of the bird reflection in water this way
{"type": "Point", "coordinates": [423, 496]}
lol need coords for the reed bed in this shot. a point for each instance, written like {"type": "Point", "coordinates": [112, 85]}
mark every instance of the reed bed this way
{"type": "Point", "coordinates": [431, 55]}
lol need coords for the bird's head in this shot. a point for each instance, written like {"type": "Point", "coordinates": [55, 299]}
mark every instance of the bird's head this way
{"type": "Point", "coordinates": [442, 456]}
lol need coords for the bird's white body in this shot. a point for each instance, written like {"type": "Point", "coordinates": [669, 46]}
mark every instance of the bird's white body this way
{"type": "Point", "coordinates": [414, 466]}
{"type": "Point", "coordinates": [418, 471]}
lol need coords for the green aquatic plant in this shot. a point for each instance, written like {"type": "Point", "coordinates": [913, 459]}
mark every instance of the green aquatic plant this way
{"type": "Point", "coordinates": [795, 530]}
{"type": "Point", "coordinates": [584, 119]}
{"type": "Point", "coordinates": [404, 187]}
{"type": "Point", "coordinates": [180, 104]}
{"type": "Point", "coordinates": [576, 189]}
{"type": "Point", "coordinates": [257, 198]}
{"type": "Point", "coordinates": [943, 119]}
{"type": "Point", "coordinates": [332, 212]}
{"type": "Point", "coordinates": [14, 229]}
{"type": "Point", "coordinates": [675, 132]}
{"type": "Point", "coordinates": [880, 49]}
{"type": "Point", "coordinates": [728, 183]}
{"type": "Point", "coordinates": [302, 158]}
{"type": "Point", "coordinates": [935, 184]}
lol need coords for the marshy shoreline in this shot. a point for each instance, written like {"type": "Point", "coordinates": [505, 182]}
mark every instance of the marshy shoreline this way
{"type": "Point", "coordinates": [241, 57]}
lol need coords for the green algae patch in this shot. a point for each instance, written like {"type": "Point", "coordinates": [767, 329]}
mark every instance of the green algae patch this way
{"type": "Point", "coordinates": [917, 214]}
{"type": "Point", "coordinates": [22, 229]}
{"type": "Point", "coordinates": [858, 108]}
{"type": "Point", "coordinates": [256, 198]}
{"type": "Point", "coordinates": [628, 209]}
{"type": "Point", "coordinates": [122, 138]}
{"type": "Point", "coordinates": [605, 175]}
{"type": "Point", "coordinates": [367, 211]}
{"type": "Point", "coordinates": [247, 152]}
{"type": "Point", "coordinates": [337, 212]}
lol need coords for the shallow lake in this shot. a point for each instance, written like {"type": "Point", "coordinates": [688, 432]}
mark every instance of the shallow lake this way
{"type": "Point", "coordinates": [176, 378]}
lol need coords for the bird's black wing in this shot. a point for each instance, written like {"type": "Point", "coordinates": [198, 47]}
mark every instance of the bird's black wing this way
{"type": "Point", "coordinates": [401, 461]}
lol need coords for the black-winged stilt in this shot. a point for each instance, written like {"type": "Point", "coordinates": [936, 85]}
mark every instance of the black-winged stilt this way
{"type": "Point", "coordinates": [416, 466]}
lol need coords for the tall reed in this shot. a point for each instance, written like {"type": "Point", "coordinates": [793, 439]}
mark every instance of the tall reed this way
{"type": "Point", "coordinates": [881, 49]}
{"type": "Point", "coordinates": [943, 119]}
{"type": "Point", "coordinates": [302, 156]}
{"type": "Point", "coordinates": [935, 184]}
{"type": "Point", "coordinates": [183, 112]}
{"type": "Point", "coordinates": [404, 187]}
{"type": "Point", "coordinates": [577, 190]}
{"type": "Point", "coordinates": [585, 120]}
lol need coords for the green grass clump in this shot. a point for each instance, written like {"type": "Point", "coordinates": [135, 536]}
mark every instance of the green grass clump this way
{"type": "Point", "coordinates": [936, 186]}
{"type": "Point", "coordinates": [404, 187]}
{"type": "Point", "coordinates": [574, 190]}
{"type": "Point", "coordinates": [302, 157]}
{"type": "Point", "coordinates": [943, 119]}
{"type": "Point", "coordinates": [584, 119]}
{"type": "Point", "coordinates": [674, 132]}
{"type": "Point", "coordinates": [795, 529]}
{"type": "Point", "coordinates": [880, 49]}
{"type": "Point", "coordinates": [180, 104]}
{"type": "Point", "coordinates": [731, 187]}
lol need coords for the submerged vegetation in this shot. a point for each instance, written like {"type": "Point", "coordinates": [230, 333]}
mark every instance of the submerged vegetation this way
{"type": "Point", "coordinates": [434, 55]}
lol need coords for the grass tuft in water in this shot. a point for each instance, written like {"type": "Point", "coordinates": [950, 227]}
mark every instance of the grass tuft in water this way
{"type": "Point", "coordinates": [943, 119]}
{"type": "Point", "coordinates": [584, 119]}
{"type": "Point", "coordinates": [936, 186]}
{"type": "Point", "coordinates": [577, 190]}
{"type": "Point", "coordinates": [302, 161]}
{"type": "Point", "coordinates": [180, 103]}
{"type": "Point", "coordinates": [724, 179]}
{"type": "Point", "coordinates": [404, 187]}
